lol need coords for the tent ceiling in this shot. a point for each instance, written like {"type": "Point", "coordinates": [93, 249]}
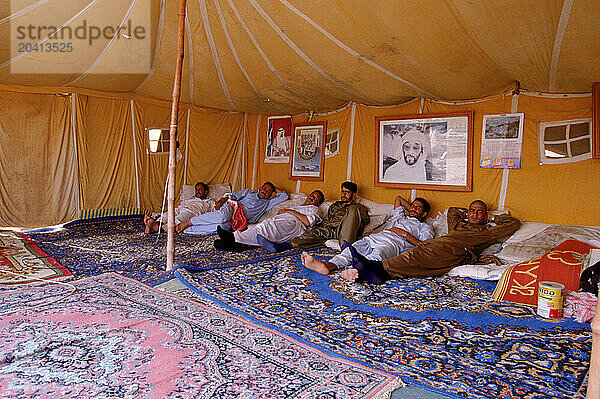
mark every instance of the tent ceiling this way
{"type": "Point", "coordinates": [286, 56]}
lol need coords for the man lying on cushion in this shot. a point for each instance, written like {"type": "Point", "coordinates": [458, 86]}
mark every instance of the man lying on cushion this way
{"type": "Point", "coordinates": [469, 232]}
{"type": "Point", "coordinates": [186, 209]}
{"type": "Point", "coordinates": [345, 221]}
{"type": "Point", "coordinates": [253, 203]}
{"type": "Point", "coordinates": [287, 224]}
{"type": "Point", "coordinates": [405, 229]}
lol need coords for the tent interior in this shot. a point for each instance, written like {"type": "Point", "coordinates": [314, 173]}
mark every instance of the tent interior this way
{"type": "Point", "coordinates": [74, 124]}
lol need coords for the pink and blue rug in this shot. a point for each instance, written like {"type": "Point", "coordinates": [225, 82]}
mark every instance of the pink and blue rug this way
{"type": "Point", "coordinates": [116, 337]}
{"type": "Point", "coordinates": [443, 334]}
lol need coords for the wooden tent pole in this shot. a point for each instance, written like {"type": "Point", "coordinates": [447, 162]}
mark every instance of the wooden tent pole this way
{"type": "Point", "coordinates": [172, 132]}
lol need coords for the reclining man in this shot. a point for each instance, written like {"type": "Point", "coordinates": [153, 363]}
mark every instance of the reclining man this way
{"type": "Point", "coordinates": [345, 221]}
{"type": "Point", "coordinates": [186, 210]}
{"type": "Point", "coordinates": [254, 204]}
{"type": "Point", "coordinates": [469, 232]}
{"type": "Point", "coordinates": [405, 229]}
{"type": "Point", "coordinates": [287, 224]}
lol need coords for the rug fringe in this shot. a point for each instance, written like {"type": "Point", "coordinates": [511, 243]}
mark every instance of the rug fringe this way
{"type": "Point", "coordinates": [386, 393]}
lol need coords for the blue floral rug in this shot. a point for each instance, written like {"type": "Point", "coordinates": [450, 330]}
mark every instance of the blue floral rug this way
{"type": "Point", "coordinates": [113, 337]}
{"type": "Point", "coordinates": [444, 334]}
{"type": "Point", "coordinates": [92, 247]}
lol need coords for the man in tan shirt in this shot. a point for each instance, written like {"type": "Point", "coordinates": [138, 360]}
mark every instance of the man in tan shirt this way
{"type": "Point", "coordinates": [470, 231]}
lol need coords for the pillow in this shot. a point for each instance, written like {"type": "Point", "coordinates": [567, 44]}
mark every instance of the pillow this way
{"type": "Point", "coordinates": [218, 191]}
{"type": "Point", "coordinates": [519, 284]}
{"type": "Point", "coordinates": [378, 214]}
{"type": "Point", "coordinates": [215, 191]}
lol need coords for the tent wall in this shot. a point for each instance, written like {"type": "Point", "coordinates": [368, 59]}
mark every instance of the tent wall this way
{"type": "Point", "coordinates": [42, 183]}
{"type": "Point", "coordinates": [37, 162]}
{"type": "Point", "coordinates": [560, 193]}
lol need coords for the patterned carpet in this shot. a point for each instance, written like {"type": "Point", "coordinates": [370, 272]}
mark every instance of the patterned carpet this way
{"type": "Point", "coordinates": [443, 334]}
{"type": "Point", "coordinates": [115, 337]}
{"type": "Point", "coordinates": [118, 244]}
{"type": "Point", "coordinates": [22, 262]}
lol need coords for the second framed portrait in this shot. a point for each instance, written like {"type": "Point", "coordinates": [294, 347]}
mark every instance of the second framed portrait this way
{"type": "Point", "coordinates": [308, 151]}
{"type": "Point", "coordinates": [428, 151]}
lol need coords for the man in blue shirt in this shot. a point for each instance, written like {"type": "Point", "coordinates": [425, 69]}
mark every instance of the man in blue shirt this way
{"type": "Point", "coordinates": [254, 204]}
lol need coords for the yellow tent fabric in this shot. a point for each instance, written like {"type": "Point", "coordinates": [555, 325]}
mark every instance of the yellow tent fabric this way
{"type": "Point", "coordinates": [283, 57]}
{"type": "Point", "coordinates": [345, 63]}
{"type": "Point", "coordinates": [106, 156]}
{"type": "Point", "coordinates": [38, 168]}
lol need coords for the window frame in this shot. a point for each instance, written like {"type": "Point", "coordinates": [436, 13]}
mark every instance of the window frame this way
{"type": "Point", "coordinates": [542, 126]}
{"type": "Point", "coordinates": [165, 142]}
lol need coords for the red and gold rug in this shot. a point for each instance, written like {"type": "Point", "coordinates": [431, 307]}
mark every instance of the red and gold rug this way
{"type": "Point", "coordinates": [21, 261]}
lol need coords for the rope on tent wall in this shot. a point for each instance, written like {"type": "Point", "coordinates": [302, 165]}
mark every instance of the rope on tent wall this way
{"type": "Point", "coordinates": [161, 24]}
{"type": "Point", "coordinates": [58, 29]}
{"type": "Point", "coordinates": [351, 144]}
{"type": "Point", "coordinates": [558, 39]}
{"type": "Point", "coordinates": [162, 209]}
{"type": "Point", "coordinates": [215, 54]}
{"type": "Point", "coordinates": [243, 184]}
{"type": "Point", "coordinates": [135, 163]}
{"type": "Point", "coordinates": [73, 290]}
{"type": "Point", "coordinates": [514, 107]}
{"type": "Point", "coordinates": [350, 50]}
{"type": "Point", "coordinates": [264, 56]}
{"type": "Point", "coordinates": [187, 146]}
{"type": "Point", "coordinates": [75, 152]}
{"type": "Point", "coordinates": [302, 54]}
{"type": "Point", "coordinates": [25, 10]}
{"type": "Point", "coordinates": [190, 43]}
{"type": "Point", "coordinates": [256, 151]}
{"type": "Point", "coordinates": [107, 48]}
{"type": "Point", "coordinates": [238, 158]}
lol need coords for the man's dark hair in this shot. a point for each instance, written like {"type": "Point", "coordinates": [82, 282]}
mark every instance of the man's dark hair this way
{"type": "Point", "coordinates": [321, 196]}
{"type": "Point", "coordinates": [479, 202]}
{"type": "Point", "coordinates": [350, 186]}
{"type": "Point", "coordinates": [268, 183]}
{"type": "Point", "coordinates": [423, 201]}
{"type": "Point", "coordinates": [201, 183]}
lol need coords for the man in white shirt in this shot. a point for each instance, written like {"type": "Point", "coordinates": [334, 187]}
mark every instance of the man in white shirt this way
{"type": "Point", "coordinates": [287, 224]}
{"type": "Point", "coordinates": [405, 229]}
{"type": "Point", "coordinates": [186, 210]}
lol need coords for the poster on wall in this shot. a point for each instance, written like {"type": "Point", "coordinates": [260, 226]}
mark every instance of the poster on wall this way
{"type": "Point", "coordinates": [279, 136]}
{"type": "Point", "coordinates": [502, 141]}
{"type": "Point", "coordinates": [308, 151]}
{"type": "Point", "coordinates": [429, 151]}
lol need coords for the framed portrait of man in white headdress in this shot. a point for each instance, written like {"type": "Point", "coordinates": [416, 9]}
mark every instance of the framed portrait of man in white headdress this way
{"type": "Point", "coordinates": [279, 138]}
{"type": "Point", "coordinates": [429, 151]}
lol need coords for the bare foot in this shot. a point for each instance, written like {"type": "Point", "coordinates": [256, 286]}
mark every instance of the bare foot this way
{"type": "Point", "coordinates": [316, 265]}
{"type": "Point", "coordinates": [151, 225]}
{"type": "Point", "coordinates": [350, 275]}
{"type": "Point", "coordinates": [182, 226]}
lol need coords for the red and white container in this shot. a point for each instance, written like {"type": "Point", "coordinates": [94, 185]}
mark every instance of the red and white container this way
{"type": "Point", "coordinates": [550, 300]}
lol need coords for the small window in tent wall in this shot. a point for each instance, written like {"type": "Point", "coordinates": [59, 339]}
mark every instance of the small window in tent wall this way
{"type": "Point", "coordinates": [332, 143]}
{"type": "Point", "coordinates": [565, 141]}
{"type": "Point", "coordinates": [158, 140]}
